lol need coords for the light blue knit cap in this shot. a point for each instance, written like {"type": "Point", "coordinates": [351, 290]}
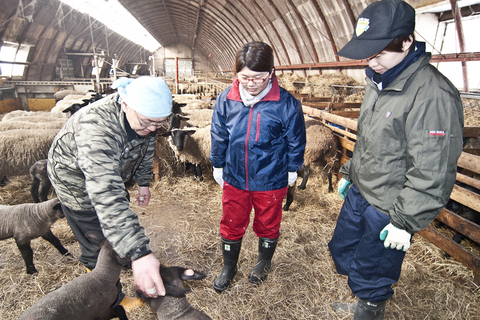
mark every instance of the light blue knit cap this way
{"type": "Point", "coordinates": [149, 96]}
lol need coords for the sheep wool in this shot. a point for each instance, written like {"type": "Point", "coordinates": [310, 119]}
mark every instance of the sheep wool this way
{"type": "Point", "coordinates": [23, 217]}
{"type": "Point", "coordinates": [20, 149]}
{"type": "Point", "coordinates": [199, 117]}
{"type": "Point", "coordinates": [13, 125]}
{"type": "Point", "coordinates": [321, 145]}
{"type": "Point", "coordinates": [197, 146]}
{"type": "Point", "coordinates": [33, 116]}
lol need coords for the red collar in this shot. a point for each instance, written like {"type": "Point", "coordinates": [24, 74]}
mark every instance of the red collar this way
{"type": "Point", "coordinates": [272, 95]}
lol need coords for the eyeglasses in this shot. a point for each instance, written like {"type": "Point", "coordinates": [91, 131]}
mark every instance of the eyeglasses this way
{"type": "Point", "coordinates": [244, 79]}
{"type": "Point", "coordinates": [150, 124]}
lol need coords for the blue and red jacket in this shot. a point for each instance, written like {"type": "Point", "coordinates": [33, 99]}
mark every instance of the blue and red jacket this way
{"type": "Point", "coordinates": [257, 146]}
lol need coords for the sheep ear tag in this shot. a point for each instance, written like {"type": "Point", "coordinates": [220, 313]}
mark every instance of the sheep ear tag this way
{"type": "Point", "coordinates": [190, 274]}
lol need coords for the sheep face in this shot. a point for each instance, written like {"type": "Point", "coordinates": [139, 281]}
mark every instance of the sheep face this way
{"type": "Point", "coordinates": [174, 304]}
{"type": "Point", "coordinates": [176, 120]}
{"type": "Point", "coordinates": [178, 137]}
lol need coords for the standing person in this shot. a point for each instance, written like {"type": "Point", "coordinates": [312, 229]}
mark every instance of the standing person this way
{"type": "Point", "coordinates": [98, 150]}
{"type": "Point", "coordinates": [258, 142]}
{"type": "Point", "coordinates": [403, 166]}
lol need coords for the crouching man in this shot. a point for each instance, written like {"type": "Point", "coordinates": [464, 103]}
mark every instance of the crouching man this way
{"type": "Point", "coordinates": [100, 148]}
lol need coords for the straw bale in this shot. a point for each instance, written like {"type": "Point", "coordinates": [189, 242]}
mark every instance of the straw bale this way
{"type": "Point", "coordinates": [287, 81]}
{"type": "Point", "coordinates": [322, 84]}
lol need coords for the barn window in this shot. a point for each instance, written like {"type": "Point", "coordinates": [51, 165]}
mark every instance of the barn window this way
{"type": "Point", "coordinates": [114, 15]}
{"type": "Point", "coordinates": [13, 58]}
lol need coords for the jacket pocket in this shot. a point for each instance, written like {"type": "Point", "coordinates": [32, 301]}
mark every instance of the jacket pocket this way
{"type": "Point", "coordinates": [434, 156]}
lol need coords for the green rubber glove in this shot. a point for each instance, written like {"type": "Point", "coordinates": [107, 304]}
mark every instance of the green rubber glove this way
{"type": "Point", "coordinates": [343, 187]}
{"type": "Point", "coordinates": [395, 238]}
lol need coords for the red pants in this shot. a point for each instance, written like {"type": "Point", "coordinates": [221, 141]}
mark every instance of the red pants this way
{"type": "Point", "coordinates": [237, 205]}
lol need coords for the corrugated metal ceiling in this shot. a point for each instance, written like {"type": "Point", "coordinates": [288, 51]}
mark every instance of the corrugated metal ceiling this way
{"type": "Point", "coordinates": [300, 31]}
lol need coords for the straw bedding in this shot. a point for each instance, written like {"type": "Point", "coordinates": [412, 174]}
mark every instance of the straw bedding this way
{"type": "Point", "coordinates": [182, 222]}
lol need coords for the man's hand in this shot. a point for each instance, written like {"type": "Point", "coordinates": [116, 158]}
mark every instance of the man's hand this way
{"type": "Point", "coordinates": [146, 274]}
{"type": "Point", "coordinates": [395, 238]}
{"type": "Point", "coordinates": [143, 196]}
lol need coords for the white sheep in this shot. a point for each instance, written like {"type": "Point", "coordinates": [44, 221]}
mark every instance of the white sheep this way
{"type": "Point", "coordinates": [196, 104]}
{"type": "Point", "coordinates": [33, 116]}
{"type": "Point", "coordinates": [27, 221]}
{"type": "Point", "coordinates": [59, 95]}
{"type": "Point", "coordinates": [320, 149]}
{"type": "Point", "coordinates": [174, 304]}
{"type": "Point", "coordinates": [71, 103]}
{"type": "Point", "coordinates": [198, 117]}
{"type": "Point", "coordinates": [13, 125]}
{"type": "Point", "coordinates": [20, 149]}
{"type": "Point", "coordinates": [91, 296]}
{"type": "Point", "coordinates": [191, 145]}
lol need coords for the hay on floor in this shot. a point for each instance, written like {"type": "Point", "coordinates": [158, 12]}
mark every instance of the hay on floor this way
{"type": "Point", "coordinates": [182, 221]}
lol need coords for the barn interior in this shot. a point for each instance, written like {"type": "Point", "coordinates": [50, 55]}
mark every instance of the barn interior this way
{"type": "Point", "coordinates": [50, 47]}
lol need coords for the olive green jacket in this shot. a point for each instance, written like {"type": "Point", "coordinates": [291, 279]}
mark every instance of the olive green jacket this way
{"type": "Point", "coordinates": [409, 139]}
{"type": "Point", "coordinates": [89, 162]}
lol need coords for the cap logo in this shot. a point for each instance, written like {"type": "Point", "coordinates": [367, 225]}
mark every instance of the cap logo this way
{"type": "Point", "coordinates": [362, 25]}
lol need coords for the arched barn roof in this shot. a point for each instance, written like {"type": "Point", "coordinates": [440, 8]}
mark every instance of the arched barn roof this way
{"type": "Point", "coordinates": [305, 34]}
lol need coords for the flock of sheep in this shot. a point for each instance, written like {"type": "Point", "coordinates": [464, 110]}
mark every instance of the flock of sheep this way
{"type": "Point", "coordinates": [25, 138]}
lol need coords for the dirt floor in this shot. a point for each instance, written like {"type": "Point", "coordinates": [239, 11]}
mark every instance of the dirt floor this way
{"type": "Point", "coordinates": [182, 221]}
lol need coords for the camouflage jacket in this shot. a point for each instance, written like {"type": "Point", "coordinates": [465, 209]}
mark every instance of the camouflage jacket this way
{"type": "Point", "coordinates": [89, 162]}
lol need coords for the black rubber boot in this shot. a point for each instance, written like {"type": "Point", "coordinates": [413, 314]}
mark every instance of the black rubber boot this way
{"type": "Point", "coordinates": [367, 310]}
{"type": "Point", "coordinates": [266, 249]}
{"type": "Point", "coordinates": [231, 251]}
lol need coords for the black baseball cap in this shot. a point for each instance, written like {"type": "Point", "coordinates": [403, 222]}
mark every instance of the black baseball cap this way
{"type": "Point", "coordinates": [377, 26]}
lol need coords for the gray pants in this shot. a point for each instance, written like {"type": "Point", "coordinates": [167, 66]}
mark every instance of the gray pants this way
{"type": "Point", "coordinates": [82, 222]}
